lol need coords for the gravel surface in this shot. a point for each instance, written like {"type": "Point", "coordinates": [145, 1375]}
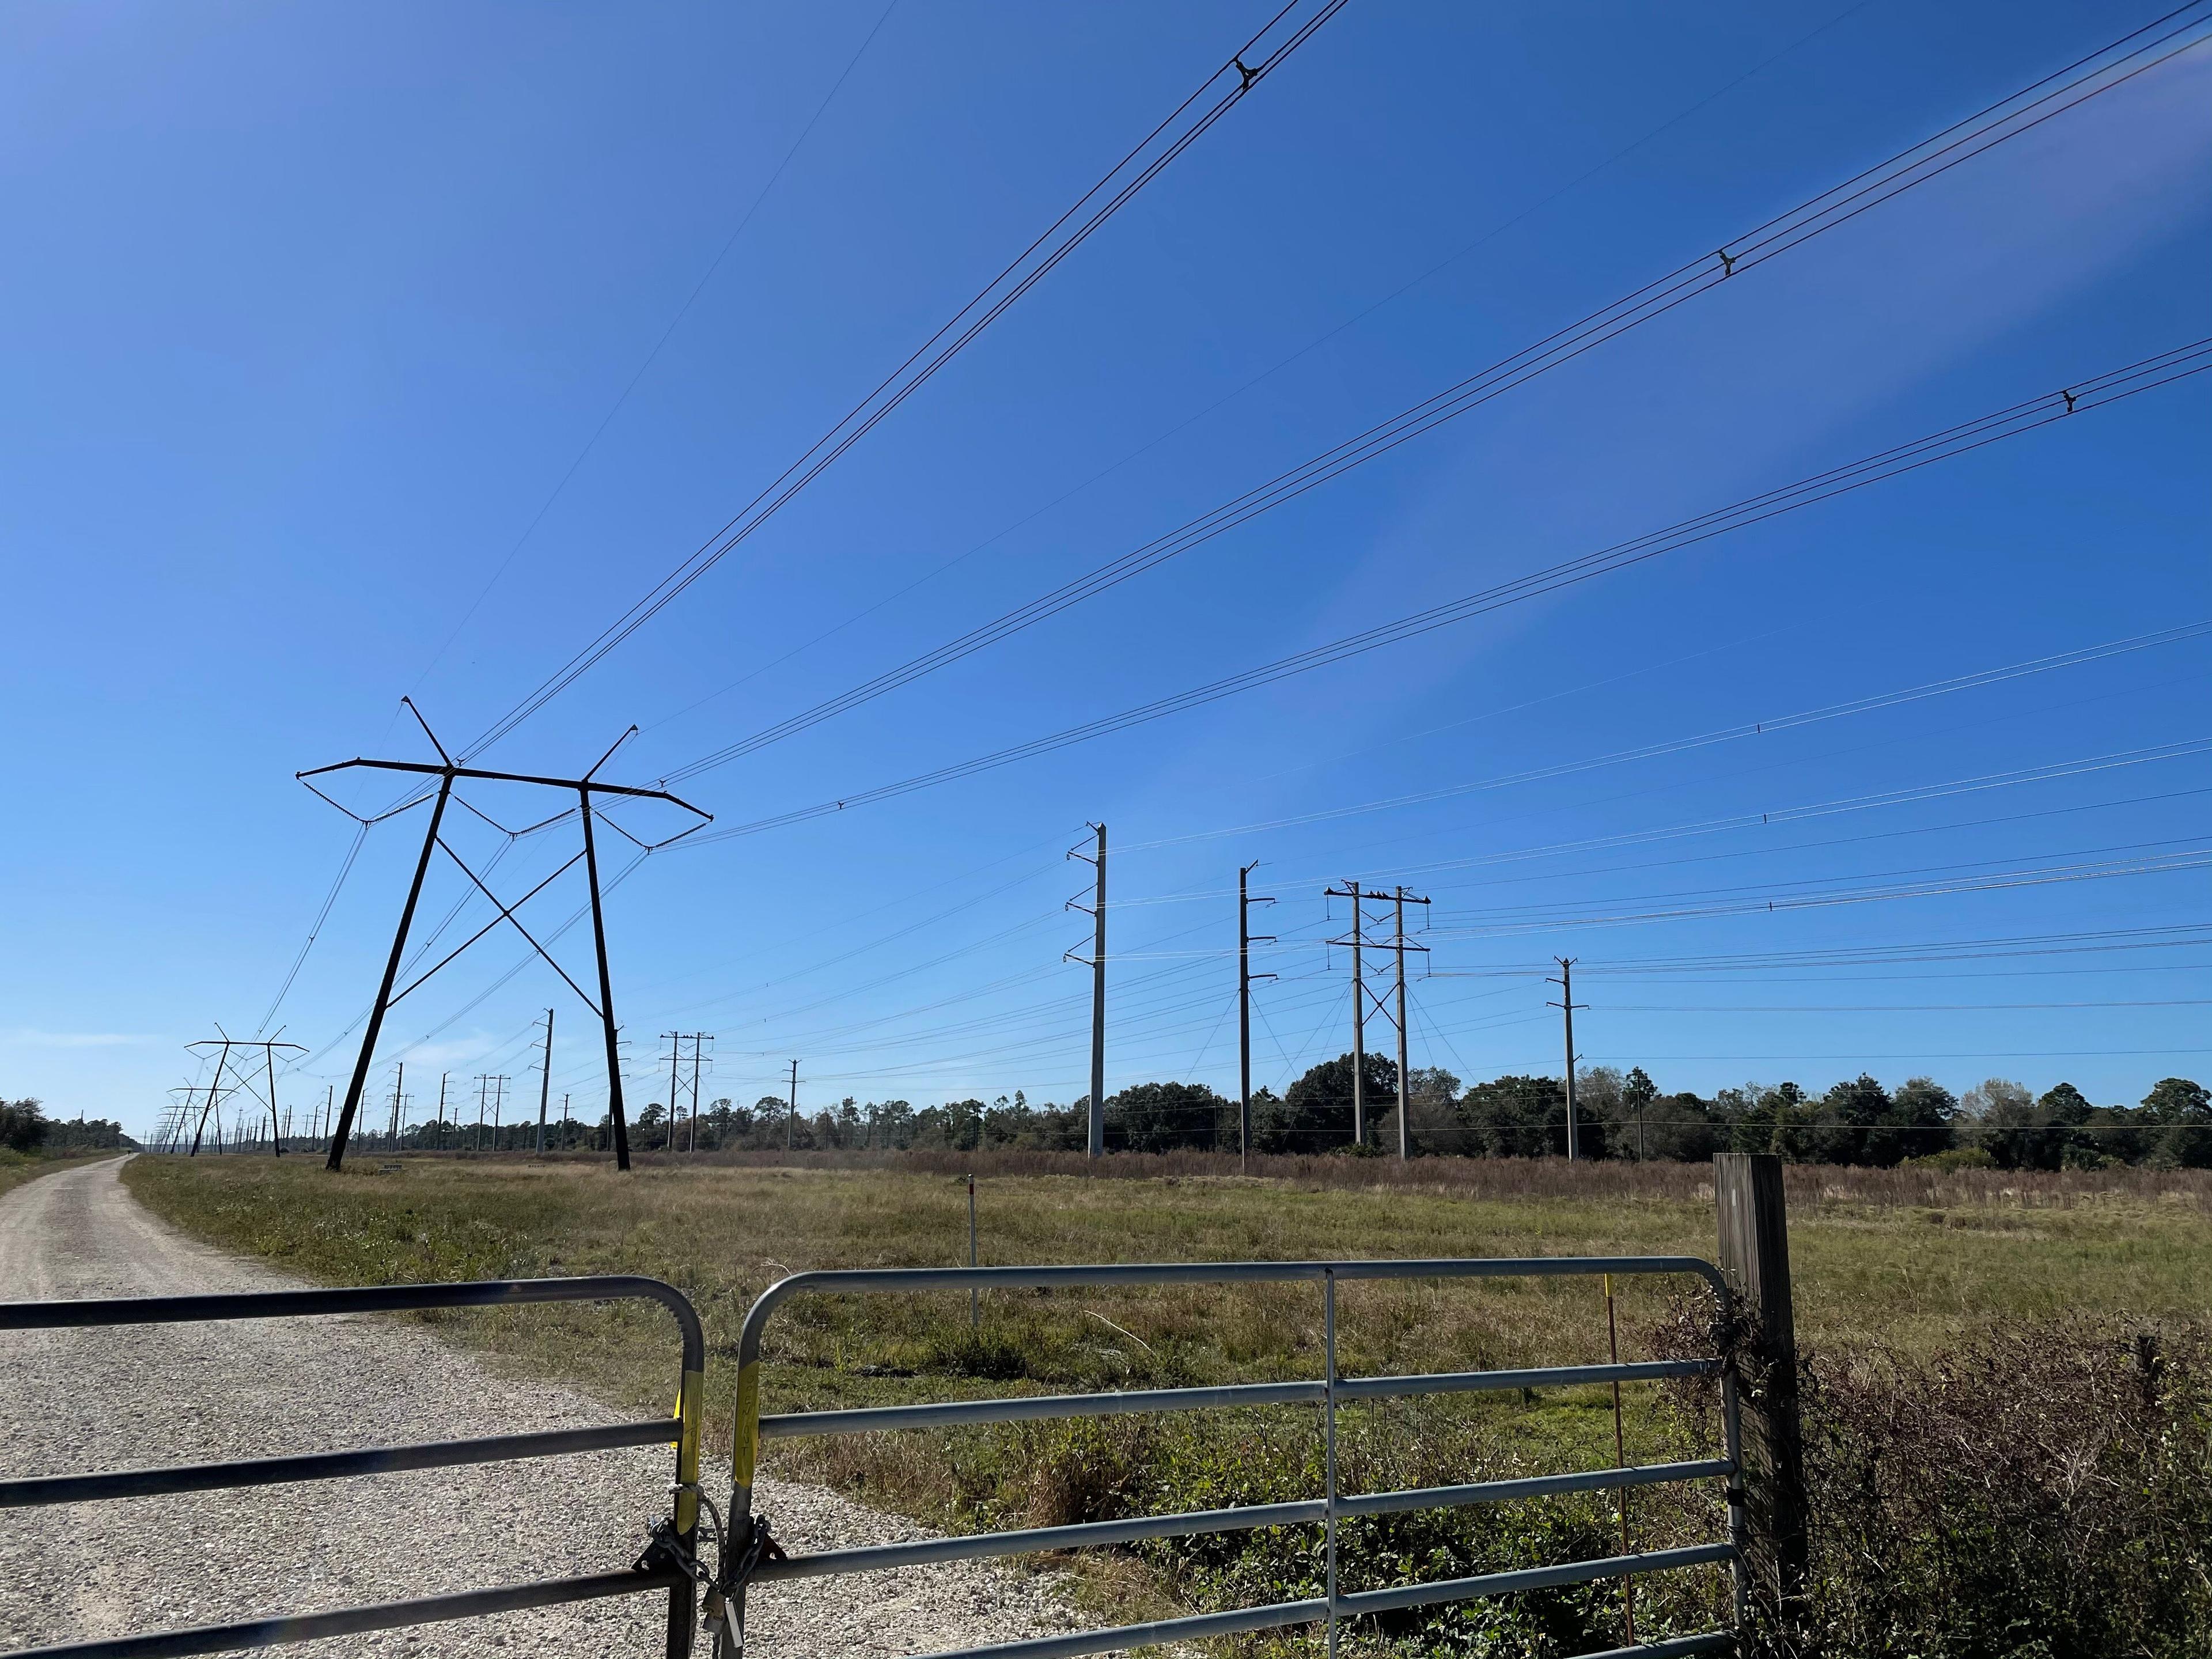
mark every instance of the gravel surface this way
{"type": "Point", "coordinates": [82, 1400]}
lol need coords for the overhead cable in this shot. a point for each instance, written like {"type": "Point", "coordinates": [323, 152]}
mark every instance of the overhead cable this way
{"type": "Point", "coordinates": [1191, 119]}
{"type": "Point", "coordinates": [2023, 111]}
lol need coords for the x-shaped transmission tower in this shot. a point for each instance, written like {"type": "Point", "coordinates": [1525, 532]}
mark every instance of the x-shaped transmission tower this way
{"type": "Point", "coordinates": [448, 772]}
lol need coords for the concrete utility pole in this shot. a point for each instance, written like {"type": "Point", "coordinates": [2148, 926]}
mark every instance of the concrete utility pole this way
{"type": "Point", "coordinates": [399, 1082]}
{"type": "Point", "coordinates": [1567, 1005]}
{"type": "Point", "coordinates": [546, 1083]}
{"type": "Point", "coordinates": [498, 1100]}
{"type": "Point", "coordinates": [484, 1091]}
{"type": "Point", "coordinates": [791, 1117]}
{"type": "Point", "coordinates": [1244, 977]}
{"type": "Point", "coordinates": [1097, 910]}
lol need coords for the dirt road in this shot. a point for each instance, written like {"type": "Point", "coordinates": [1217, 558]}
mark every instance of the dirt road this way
{"type": "Point", "coordinates": [78, 1401]}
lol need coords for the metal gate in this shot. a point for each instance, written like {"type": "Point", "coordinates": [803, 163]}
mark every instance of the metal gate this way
{"type": "Point", "coordinates": [748, 1557]}
{"type": "Point", "coordinates": [667, 1563]}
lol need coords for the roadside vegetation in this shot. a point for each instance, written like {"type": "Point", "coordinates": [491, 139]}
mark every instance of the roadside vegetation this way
{"type": "Point", "coordinates": [1923, 1293]}
{"type": "Point", "coordinates": [31, 1143]}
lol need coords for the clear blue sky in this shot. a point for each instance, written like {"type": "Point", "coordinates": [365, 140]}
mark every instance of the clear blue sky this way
{"type": "Point", "coordinates": [311, 309]}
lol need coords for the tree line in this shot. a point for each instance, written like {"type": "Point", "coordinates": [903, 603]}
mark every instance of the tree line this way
{"type": "Point", "coordinates": [25, 1127]}
{"type": "Point", "coordinates": [1997, 1124]}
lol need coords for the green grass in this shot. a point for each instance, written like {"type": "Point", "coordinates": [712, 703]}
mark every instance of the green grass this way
{"type": "Point", "coordinates": [1869, 1270]}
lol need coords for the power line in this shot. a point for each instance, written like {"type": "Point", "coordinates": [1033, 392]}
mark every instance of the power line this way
{"type": "Point", "coordinates": [2100, 391]}
{"type": "Point", "coordinates": [2098, 72]}
{"type": "Point", "coordinates": [1230, 83]}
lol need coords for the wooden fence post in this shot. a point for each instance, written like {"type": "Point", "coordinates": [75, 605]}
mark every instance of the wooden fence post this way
{"type": "Point", "coordinates": [1754, 1254]}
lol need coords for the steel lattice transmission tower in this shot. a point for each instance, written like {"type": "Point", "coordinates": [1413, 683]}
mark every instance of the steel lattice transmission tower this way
{"type": "Point", "coordinates": [449, 772]}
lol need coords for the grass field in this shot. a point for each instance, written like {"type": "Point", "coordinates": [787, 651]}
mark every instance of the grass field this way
{"type": "Point", "coordinates": [1913, 1265]}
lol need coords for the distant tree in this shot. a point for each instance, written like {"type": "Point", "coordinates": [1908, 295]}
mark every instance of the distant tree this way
{"type": "Point", "coordinates": [1156, 1117]}
{"type": "Point", "coordinates": [23, 1125]}
{"type": "Point", "coordinates": [2182, 1112]}
{"type": "Point", "coordinates": [2001, 1120]}
{"type": "Point", "coordinates": [1317, 1111]}
{"type": "Point", "coordinates": [1523, 1117]}
{"type": "Point", "coordinates": [1851, 1114]}
{"type": "Point", "coordinates": [1923, 1110]}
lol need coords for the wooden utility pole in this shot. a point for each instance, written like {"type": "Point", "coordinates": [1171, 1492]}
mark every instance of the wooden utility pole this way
{"type": "Point", "coordinates": [675, 1056]}
{"type": "Point", "coordinates": [1244, 977]}
{"type": "Point", "coordinates": [544, 1083]}
{"type": "Point", "coordinates": [791, 1117]}
{"type": "Point", "coordinates": [1097, 909]}
{"type": "Point", "coordinates": [1567, 1005]}
{"type": "Point", "coordinates": [1405, 1087]}
{"type": "Point", "coordinates": [443, 1078]}
{"type": "Point", "coordinates": [399, 1083]}
{"type": "Point", "coordinates": [697, 1038]}
{"type": "Point", "coordinates": [1754, 1254]}
{"type": "Point", "coordinates": [1358, 941]}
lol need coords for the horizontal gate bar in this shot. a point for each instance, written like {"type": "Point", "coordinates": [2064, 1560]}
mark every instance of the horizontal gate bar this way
{"type": "Point", "coordinates": [1538, 1485]}
{"type": "Point", "coordinates": [836, 1280]}
{"type": "Point", "coordinates": [40, 1490]}
{"type": "Point", "coordinates": [1282, 1614]}
{"type": "Point", "coordinates": [1549, 1376]}
{"type": "Point", "coordinates": [1272, 1617]}
{"type": "Point", "coordinates": [1528, 1579]}
{"type": "Point", "coordinates": [1037, 1540]}
{"type": "Point", "coordinates": [1025, 1407]}
{"type": "Point", "coordinates": [363, 1299]}
{"type": "Point", "coordinates": [1671, 1647]}
{"type": "Point", "coordinates": [349, 1621]}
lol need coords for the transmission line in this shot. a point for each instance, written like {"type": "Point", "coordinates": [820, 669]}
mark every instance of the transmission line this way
{"type": "Point", "coordinates": [2008, 118]}
{"type": "Point", "coordinates": [2100, 391]}
{"type": "Point", "coordinates": [1190, 120]}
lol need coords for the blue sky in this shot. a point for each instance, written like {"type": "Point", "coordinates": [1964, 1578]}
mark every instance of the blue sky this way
{"type": "Point", "coordinates": [314, 310]}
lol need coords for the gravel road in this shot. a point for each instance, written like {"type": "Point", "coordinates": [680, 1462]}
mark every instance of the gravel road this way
{"type": "Point", "coordinates": [72, 1401]}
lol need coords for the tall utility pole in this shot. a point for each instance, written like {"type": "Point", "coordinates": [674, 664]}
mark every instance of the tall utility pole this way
{"type": "Point", "coordinates": [544, 1083]}
{"type": "Point", "coordinates": [498, 1100]}
{"type": "Point", "coordinates": [675, 1055]}
{"type": "Point", "coordinates": [448, 772]}
{"type": "Point", "coordinates": [1567, 1005]}
{"type": "Point", "coordinates": [1351, 891]}
{"type": "Point", "coordinates": [443, 1078]}
{"type": "Point", "coordinates": [697, 1038]}
{"type": "Point", "coordinates": [675, 1040]}
{"type": "Point", "coordinates": [484, 1091]}
{"type": "Point", "coordinates": [199, 1128]}
{"type": "Point", "coordinates": [1401, 899]}
{"type": "Point", "coordinates": [1361, 993]}
{"type": "Point", "coordinates": [399, 1083]}
{"type": "Point", "coordinates": [791, 1117]}
{"type": "Point", "coordinates": [269, 1048]}
{"type": "Point", "coordinates": [1097, 910]}
{"type": "Point", "coordinates": [1245, 938]}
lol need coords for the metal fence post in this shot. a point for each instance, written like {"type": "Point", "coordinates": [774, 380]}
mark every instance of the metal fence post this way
{"type": "Point", "coordinates": [1329, 1433]}
{"type": "Point", "coordinates": [1754, 1254]}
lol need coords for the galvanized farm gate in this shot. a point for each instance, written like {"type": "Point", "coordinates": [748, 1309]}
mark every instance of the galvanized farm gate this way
{"type": "Point", "coordinates": [749, 1555]}
{"type": "Point", "coordinates": [666, 1565]}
